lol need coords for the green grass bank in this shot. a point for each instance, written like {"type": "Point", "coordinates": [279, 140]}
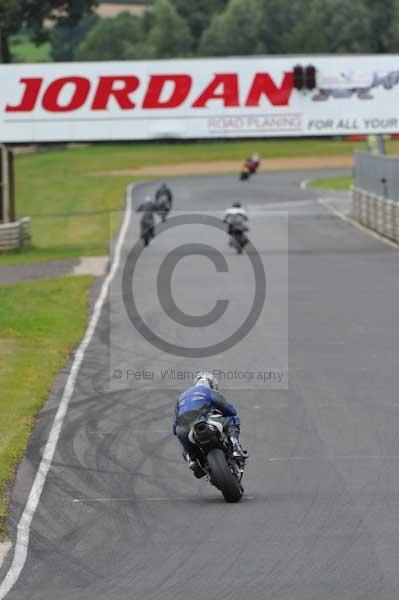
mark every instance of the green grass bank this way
{"type": "Point", "coordinates": [341, 184]}
{"type": "Point", "coordinates": [40, 323]}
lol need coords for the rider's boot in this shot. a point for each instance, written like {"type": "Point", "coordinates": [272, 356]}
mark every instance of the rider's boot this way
{"type": "Point", "coordinates": [238, 450]}
{"type": "Point", "coordinates": [194, 466]}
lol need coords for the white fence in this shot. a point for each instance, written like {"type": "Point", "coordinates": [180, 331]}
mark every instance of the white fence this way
{"type": "Point", "coordinates": [15, 235]}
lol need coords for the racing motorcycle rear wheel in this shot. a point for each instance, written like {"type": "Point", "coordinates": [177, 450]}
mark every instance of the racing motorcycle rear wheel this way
{"type": "Point", "coordinates": [222, 476]}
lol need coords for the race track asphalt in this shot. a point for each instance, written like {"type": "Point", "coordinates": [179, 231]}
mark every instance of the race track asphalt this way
{"type": "Point", "coordinates": [121, 517]}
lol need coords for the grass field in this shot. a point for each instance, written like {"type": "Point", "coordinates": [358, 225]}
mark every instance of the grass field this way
{"type": "Point", "coordinates": [67, 182]}
{"type": "Point", "coordinates": [40, 323]}
{"type": "Point", "coordinates": [341, 184]}
{"type": "Point", "coordinates": [36, 255]}
{"type": "Point", "coordinates": [59, 183]}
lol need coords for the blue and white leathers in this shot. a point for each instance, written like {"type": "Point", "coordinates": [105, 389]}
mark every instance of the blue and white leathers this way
{"type": "Point", "coordinates": [198, 401]}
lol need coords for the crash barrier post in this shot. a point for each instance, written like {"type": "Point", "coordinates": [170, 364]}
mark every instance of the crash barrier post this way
{"type": "Point", "coordinates": [15, 235]}
{"type": "Point", "coordinates": [7, 196]}
{"type": "Point", "coordinates": [377, 213]}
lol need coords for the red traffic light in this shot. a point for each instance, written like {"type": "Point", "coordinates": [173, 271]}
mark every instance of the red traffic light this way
{"type": "Point", "coordinates": [310, 77]}
{"type": "Point", "coordinates": [299, 77]}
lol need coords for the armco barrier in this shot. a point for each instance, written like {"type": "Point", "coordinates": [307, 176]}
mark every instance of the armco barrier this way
{"type": "Point", "coordinates": [377, 174]}
{"type": "Point", "coordinates": [376, 213]}
{"type": "Point", "coordinates": [15, 235]}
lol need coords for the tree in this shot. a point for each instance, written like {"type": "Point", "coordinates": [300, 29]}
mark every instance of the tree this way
{"type": "Point", "coordinates": [233, 32]}
{"type": "Point", "coordinates": [119, 38]}
{"type": "Point", "coordinates": [385, 24]}
{"type": "Point", "coordinates": [393, 31]}
{"type": "Point", "coordinates": [32, 14]}
{"type": "Point", "coordinates": [277, 18]}
{"type": "Point", "coordinates": [170, 35]}
{"type": "Point", "coordinates": [332, 26]}
{"type": "Point", "coordinates": [66, 38]}
{"type": "Point", "coordinates": [9, 24]}
{"type": "Point", "coordinates": [198, 14]}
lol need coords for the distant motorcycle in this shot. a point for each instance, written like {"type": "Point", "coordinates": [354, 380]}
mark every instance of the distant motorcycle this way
{"type": "Point", "coordinates": [245, 173]}
{"type": "Point", "coordinates": [147, 208]}
{"type": "Point", "coordinates": [250, 167]}
{"type": "Point", "coordinates": [147, 232]}
{"type": "Point", "coordinates": [215, 456]}
{"type": "Point", "coordinates": [238, 238]}
{"type": "Point", "coordinates": [163, 206]}
{"type": "Point", "coordinates": [253, 164]}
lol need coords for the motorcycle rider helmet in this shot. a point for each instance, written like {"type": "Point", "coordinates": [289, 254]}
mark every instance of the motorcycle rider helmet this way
{"type": "Point", "coordinates": [204, 378]}
{"type": "Point", "coordinates": [237, 205]}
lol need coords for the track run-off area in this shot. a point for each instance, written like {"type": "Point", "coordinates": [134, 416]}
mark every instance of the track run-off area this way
{"type": "Point", "coordinates": [121, 517]}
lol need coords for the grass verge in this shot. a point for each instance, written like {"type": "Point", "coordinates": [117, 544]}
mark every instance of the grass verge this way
{"type": "Point", "coordinates": [341, 184]}
{"type": "Point", "coordinates": [40, 323]}
{"type": "Point", "coordinates": [37, 254]}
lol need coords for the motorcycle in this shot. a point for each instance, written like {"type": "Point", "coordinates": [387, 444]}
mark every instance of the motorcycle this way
{"type": "Point", "coordinates": [250, 168]}
{"type": "Point", "coordinates": [245, 173]}
{"type": "Point", "coordinates": [238, 238]}
{"type": "Point", "coordinates": [253, 165]}
{"type": "Point", "coordinates": [164, 205]}
{"type": "Point", "coordinates": [215, 456]}
{"type": "Point", "coordinates": [147, 230]}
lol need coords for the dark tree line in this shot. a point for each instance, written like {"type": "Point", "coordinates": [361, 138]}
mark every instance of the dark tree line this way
{"type": "Point", "coordinates": [181, 28]}
{"type": "Point", "coordinates": [35, 16]}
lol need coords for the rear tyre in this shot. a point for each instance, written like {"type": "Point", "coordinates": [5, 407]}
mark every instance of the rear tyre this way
{"type": "Point", "coordinates": [237, 243]}
{"type": "Point", "coordinates": [223, 477]}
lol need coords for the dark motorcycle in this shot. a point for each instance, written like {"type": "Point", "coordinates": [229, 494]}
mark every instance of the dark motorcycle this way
{"type": "Point", "coordinates": [215, 456]}
{"type": "Point", "coordinates": [238, 238]}
{"type": "Point", "coordinates": [147, 228]}
{"type": "Point", "coordinates": [148, 235]}
{"type": "Point", "coordinates": [164, 205]}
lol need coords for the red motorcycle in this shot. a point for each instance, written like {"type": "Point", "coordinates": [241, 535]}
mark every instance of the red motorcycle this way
{"type": "Point", "coordinates": [250, 167]}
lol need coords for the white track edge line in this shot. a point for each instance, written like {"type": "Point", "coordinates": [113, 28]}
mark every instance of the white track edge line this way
{"type": "Point", "coordinates": [23, 527]}
{"type": "Point", "coordinates": [359, 226]}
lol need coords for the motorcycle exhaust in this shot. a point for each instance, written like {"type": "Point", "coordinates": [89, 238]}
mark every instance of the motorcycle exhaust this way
{"type": "Point", "coordinates": [204, 434]}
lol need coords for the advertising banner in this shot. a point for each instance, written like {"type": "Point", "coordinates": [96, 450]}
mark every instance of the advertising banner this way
{"type": "Point", "coordinates": [198, 98]}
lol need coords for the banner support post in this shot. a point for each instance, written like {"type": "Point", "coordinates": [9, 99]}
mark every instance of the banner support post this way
{"type": "Point", "coordinates": [7, 184]}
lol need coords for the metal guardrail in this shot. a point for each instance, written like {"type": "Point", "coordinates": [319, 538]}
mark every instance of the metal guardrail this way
{"type": "Point", "coordinates": [377, 174]}
{"type": "Point", "coordinates": [376, 213]}
{"type": "Point", "coordinates": [15, 235]}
